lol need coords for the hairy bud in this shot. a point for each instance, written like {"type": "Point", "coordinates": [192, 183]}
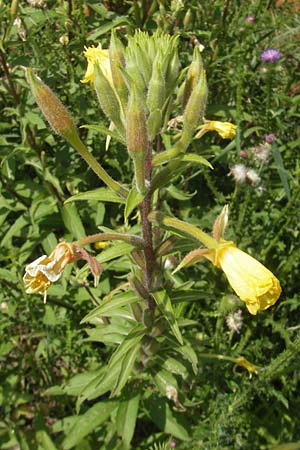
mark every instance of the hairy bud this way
{"type": "Point", "coordinates": [136, 136]}
{"type": "Point", "coordinates": [54, 111]}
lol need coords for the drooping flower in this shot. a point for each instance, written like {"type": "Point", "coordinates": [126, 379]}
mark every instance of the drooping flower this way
{"type": "Point", "coordinates": [97, 55]}
{"type": "Point", "coordinates": [253, 282]}
{"type": "Point", "coordinates": [226, 130]}
{"type": "Point", "coordinates": [270, 55]}
{"type": "Point", "coordinates": [41, 273]}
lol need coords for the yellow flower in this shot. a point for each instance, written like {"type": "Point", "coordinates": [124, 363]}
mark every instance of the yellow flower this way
{"type": "Point", "coordinates": [252, 281]}
{"type": "Point", "coordinates": [226, 130]}
{"type": "Point", "coordinates": [243, 362]}
{"type": "Point", "coordinates": [97, 55]}
{"type": "Point", "coordinates": [41, 273]}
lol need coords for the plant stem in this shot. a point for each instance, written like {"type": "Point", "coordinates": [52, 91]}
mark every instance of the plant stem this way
{"type": "Point", "coordinates": [96, 167]}
{"type": "Point", "coordinates": [145, 209]}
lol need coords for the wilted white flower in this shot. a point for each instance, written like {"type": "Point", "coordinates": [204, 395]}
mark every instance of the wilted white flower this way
{"type": "Point", "coordinates": [235, 321]}
{"type": "Point", "coordinates": [37, 3]}
{"type": "Point", "coordinates": [261, 153]}
{"type": "Point", "coordinates": [239, 173]}
{"type": "Point", "coordinates": [64, 39]}
{"type": "Point", "coordinates": [253, 177]}
{"type": "Point", "coordinates": [21, 30]}
{"type": "Point", "coordinates": [171, 393]}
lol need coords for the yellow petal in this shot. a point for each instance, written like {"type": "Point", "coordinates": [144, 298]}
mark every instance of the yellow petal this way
{"type": "Point", "coordinates": [41, 273]}
{"type": "Point", "coordinates": [226, 130]}
{"type": "Point", "coordinates": [97, 55]}
{"type": "Point", "coordinates": [252, 281]}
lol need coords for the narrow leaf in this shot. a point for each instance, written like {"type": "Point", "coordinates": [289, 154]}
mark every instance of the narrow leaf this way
{"type": "Point", "coordinates": [105, 131]}
{"type": "Point", "coordinates": [100, 195]}
{"type": "Point", "coordinates": [126, 418]}
{"type": "Point", "coordinates": [281, 170]}
{"type": "Point", "coordinates": [114, 302]}
{"type": "Point", "coordinates": [164, 304]}
{"type": "Point", "coordinates": [133, 200]}
{"type": "Point", "coordinates": [87, 422]}
{"type": "Point", "coordinates": [72, 221]}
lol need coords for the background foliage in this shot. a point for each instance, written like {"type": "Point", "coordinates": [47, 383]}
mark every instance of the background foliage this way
{"type": "Point", "coordinates": [43, 347]}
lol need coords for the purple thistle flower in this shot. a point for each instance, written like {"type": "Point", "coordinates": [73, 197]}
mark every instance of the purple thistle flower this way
{"type": "Point", "coordinates": [270, 55]}
{"type": "Point", "coordinates": [270, 138]}
{"type": "Point", "coordinates": [250, 19]}
{"type": "Point", "coordinates": [173, 444]}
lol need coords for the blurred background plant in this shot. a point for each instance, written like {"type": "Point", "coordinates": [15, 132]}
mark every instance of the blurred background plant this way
{"type": "Point", "coordinates": [45, 355]}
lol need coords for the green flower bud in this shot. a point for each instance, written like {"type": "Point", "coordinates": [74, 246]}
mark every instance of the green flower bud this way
{"type": "Point", "coordinates": [136, 136]}
{"type": "Point", "coordinates": [117, 61]}
{"type": "Point", "coordinates": [195, 108]}
{"type": "Point", "coordinates": [54, 111]}
{"type": "Point", "coordinates": [107, 98]}
{"type": "Point", "coordinates": [14, 8]}
{"type": "Point", "coordinates": [193, 75]}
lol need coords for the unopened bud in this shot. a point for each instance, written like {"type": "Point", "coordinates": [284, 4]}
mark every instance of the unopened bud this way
{"type": "Point", "coordinates": [136, 136]}
{"type": "Point", "coordinates": [54, 111]}
{"type": "Point", "coordinates": [107, 97]}
{"type": "Point", "coordinates": [155, 100]}
{"type": "Point", "coordinates": [13, 8]}
{"type": "Point", "coordinates": [195, 108]}
{"type": "Point", "coordinates": [117, 61]}
{"type": "Point", "coordinates": [193, 75]}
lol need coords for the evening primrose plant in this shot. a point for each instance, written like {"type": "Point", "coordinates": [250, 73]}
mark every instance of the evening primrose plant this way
{"type": "Point", "coordinates": [138, 87]}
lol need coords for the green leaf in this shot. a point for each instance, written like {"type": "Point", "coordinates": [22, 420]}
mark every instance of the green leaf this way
{"type": "Point", "coordinates": [169, 421]}
{"type": "Point", "coordinates": [87, 422]}
{"type": "Point", "coordinates": [164, 304]}
{"type": "Point", "coordinates": [127, 366]}
{"type": "Point", "coordinates": [45, 441]}
{"type": "Point", "coordinates": [134, 198]}
{"type": "Point", "coordinates": [114, 302]}
{"type": "Point", "coordinates": [72, 221]}
{"type": "Point", "coordinates": [107, 27]}
{"type": "Point", "coordinates": [164, 380]}
{"type": "Point", "coordinates": [105, 131]}
{"type": "Point", "coordinates": [80, 381]}
{"type": "Point", "coordinates": [100, 195]}
{"type": "Point", "coordinates": [126, 418]}
{"type": "Point", "coordinates": [194, 158]}
{"type": "Point", "coordinates": [281, 170]}
{"type": "Point", "coordinates": [178, 194]}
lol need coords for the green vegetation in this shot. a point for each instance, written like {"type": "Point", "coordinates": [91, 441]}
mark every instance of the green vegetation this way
{"type": "Point", "coordinates": [148, 358]}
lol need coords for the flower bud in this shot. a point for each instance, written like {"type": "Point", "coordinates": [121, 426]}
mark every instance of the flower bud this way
{"type": "Point", "coordinates": [193, 75]}
{"type": "Point", "coordinates": [54, 111]}
{"type": "Point", "coordinates": [136, 136]}
{"type": "Point", "coordinates": [13, 8]}
{"type": "Point", "coordinates": [117, 61]}
{"type": "Point", "coordinates": [155, 100]}
{"type": "Point", "coordinates": [195, 108]}
{"type": "Point", "coordinates": [156, 89]}
{"type": "Point", "coordinates": [107, 97]}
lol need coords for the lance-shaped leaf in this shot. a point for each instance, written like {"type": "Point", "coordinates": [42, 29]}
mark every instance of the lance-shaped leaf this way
{"type": "Point", "coordinates": [164, 304]}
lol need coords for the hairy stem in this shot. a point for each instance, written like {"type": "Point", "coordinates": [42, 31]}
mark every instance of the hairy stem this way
{"type": "Point", "coordinates": [145, 209]}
